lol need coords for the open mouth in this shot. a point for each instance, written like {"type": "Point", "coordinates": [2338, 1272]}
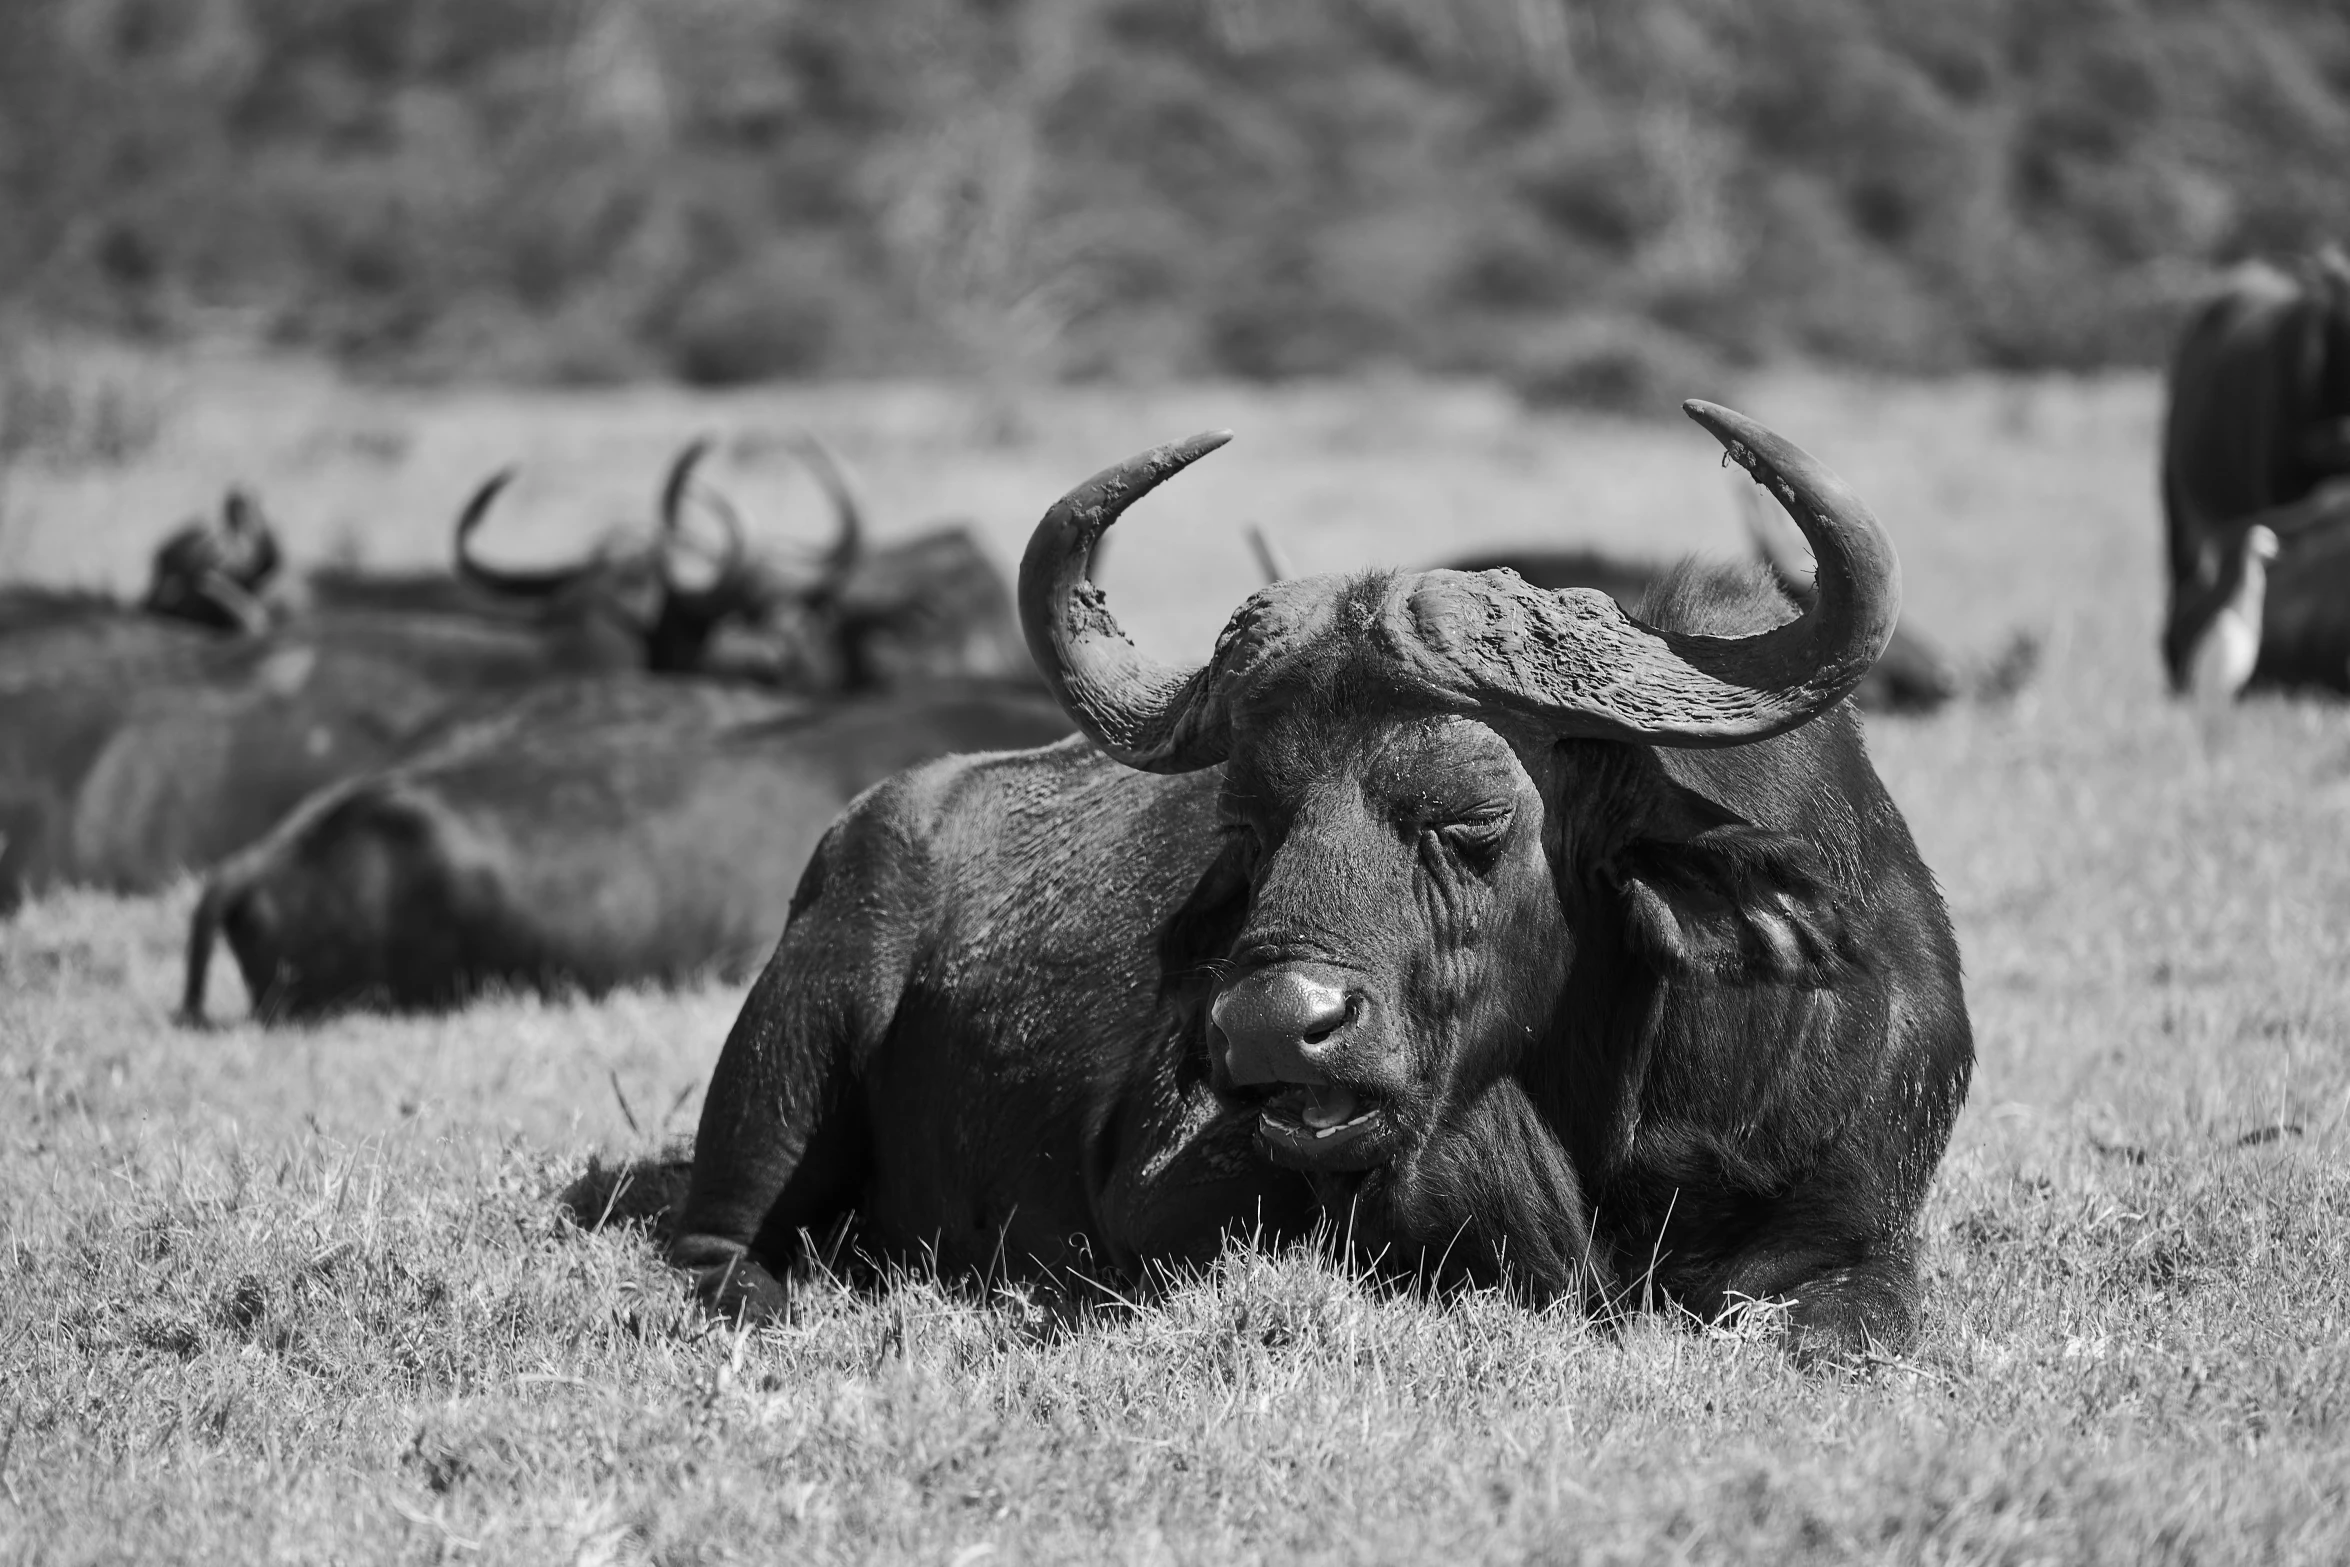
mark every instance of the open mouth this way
{"type": "Point", "coordinates": [1325, 1126]}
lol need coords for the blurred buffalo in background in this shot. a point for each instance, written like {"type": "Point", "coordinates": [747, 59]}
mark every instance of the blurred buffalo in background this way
{"type": "Point", "coordinates": [594, 835]}
{"type": "Point", "coordinates": [206, 580]}
{"type": "Point", "coordinates": [172, 746]}
{"type": "Point", "coordinates": [2256, 442]}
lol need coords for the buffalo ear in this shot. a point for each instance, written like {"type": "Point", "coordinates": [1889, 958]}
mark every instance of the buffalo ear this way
{"type": "Point", "coordinates": [1706, 893]}
{"type": "Point", "coordinates": [1200, 934]}
{"type": "Point", "coordinates": [1194, 940]}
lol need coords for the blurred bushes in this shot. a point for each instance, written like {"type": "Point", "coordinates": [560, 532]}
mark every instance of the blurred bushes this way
{"type": "Point", "coordinates": [1592, 197]}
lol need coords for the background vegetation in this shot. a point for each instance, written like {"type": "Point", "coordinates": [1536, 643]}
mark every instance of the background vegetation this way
{"type": "Point", "coordinates": [1604, 200]}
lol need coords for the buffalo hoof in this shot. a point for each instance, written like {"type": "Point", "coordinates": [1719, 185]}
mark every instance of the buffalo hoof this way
{"type": "Point", "coordinates": [1846, 1319]}
{"type": "Point", "coordinates": [729, 1282]}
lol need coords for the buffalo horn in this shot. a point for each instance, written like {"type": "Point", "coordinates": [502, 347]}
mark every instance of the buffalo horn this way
{"type": "Point", "coordinates": [1769, 537]}
{"type": "Point", "coordinates": [674, 490]}
{"type": "Point", "coordinates": [1575, 661]}
{"type": "Point", "coordinates": [832, 476]}
{"type": "Point", "coordinates": [1272, 561]}
{"type": "Point", "coordinates": [1144, 713]}
{"type": "Point", "coordinates": [1570, 661]}
{"type": "Point", "coordinates": [513, 584]}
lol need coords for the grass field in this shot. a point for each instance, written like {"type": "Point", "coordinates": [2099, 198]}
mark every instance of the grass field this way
{"type": "Point", "coordinates": [313, 1295]}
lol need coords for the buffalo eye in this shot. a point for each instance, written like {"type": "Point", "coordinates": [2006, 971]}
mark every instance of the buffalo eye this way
{"type": "Point", "coordinates": [1473, 840]}
{"type": "Point", "coordinates": [1242, 837]}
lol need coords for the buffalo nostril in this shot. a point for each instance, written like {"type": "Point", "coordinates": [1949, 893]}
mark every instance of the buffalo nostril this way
{"type": "Point", "coordinates": [1320, 1029]}
{"type": "Point", "coordinates": [1278, 1022]}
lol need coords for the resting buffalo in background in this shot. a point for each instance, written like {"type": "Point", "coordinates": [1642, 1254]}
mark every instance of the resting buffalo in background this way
{"type": "Point", "coordinates": [134, 749]}
{"type": "Point", "coordinates": [623, 607]}
{"type": "Point", "coordinates": [122, 771]}
{"type": "Point", "coordinates": [2258, 434]}
{"type": "Point", "coordinates": [123, 783]}
{"type": "Point", "coordinates": [878, 616]}
{"type": "Point", "coordinates": [597, 835]}
{"type": "Point", "coordinates": [207, 577]}
{"type": "Point", "coordinates": [1503, 933]}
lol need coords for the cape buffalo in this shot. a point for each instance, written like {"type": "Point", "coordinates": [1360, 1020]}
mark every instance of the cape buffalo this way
{"type": "Point", "coordinates": [621, 608]}
{"type": "Point", "coordinates": [132, 749]}
{"type": "Point", "coordinates": [597, 835]}
{"type": "Point", "coordinates": [879, 615]}
{"type": "Point", "coordinates": [123, 782]}
{"type": "Point", "coordinates": [204, 574]}
{"type": "Point", "coordinates": [1503, 933]}
{"type": "Point", "coordinates": [2257, 429]}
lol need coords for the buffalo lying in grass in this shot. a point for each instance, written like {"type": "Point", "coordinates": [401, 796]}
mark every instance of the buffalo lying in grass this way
{"type": "Point", "coordinates": [122, 772]}
{"type": "Point", "coordinates": [879, 616]}
{"type": "Point", "coordinates": [206, 582]}
{"type": "Point", "coordinates": [595, 835]}
{"type": "Point", "coordinates": [1504, 934]}
{"type": "Point", "coordinates": [133, 747]}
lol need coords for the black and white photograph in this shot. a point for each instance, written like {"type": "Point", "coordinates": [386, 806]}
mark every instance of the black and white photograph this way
{"type": "Point", "coordinates": [1000, 782]}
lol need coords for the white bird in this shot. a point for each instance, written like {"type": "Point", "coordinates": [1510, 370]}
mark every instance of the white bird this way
{"type": "Point", "coordinates": [2230, 645]}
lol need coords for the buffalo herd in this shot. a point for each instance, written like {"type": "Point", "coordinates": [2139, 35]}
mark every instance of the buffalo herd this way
{"type": "Point", "coordinates": [1534, 919]}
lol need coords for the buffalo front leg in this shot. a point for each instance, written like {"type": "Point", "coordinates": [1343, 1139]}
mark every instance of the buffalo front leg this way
{"type": "Point", "coordinates": [780, 1151]}
{"type": "Point", "coordinates": [1841, 1305]}
{"type": "Point", "coordinates": [783, 1147]}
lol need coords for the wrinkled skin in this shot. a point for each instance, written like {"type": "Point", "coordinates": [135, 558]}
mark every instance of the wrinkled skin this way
{"type": "Point", "coordinates": [1606, 1021]}
{"type": "Point", "coordinates": [1912, 675]}
{"type": "Point", "coordinates": [2259, 419]}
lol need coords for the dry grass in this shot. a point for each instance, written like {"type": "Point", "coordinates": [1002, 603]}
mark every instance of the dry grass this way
{"type": "Point", "coordinates": [311, 1295]}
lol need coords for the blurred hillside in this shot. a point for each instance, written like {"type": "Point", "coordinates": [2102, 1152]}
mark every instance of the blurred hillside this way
{"type": "Point", "coordinates": [1595, 198]}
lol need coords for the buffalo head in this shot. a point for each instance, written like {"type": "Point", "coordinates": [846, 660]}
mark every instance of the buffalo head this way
{"type": "Point", "coordinates": [214, 572]}
{"type": "Point", "coordinates": [675, 593]}
{"type": "Point", "coordinates": [1442, 791]}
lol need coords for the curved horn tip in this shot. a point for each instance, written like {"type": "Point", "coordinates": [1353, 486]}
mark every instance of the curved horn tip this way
{"type": "Point", "coordinates": [681, 473]}
{"type": "Point", "coordinates": [477, 505]}
{"type": "Point", "coordinates": [1131, 480]}
{"type": "Point", "coordinates": [1135, 708]}
{"type": "Point", "coordinates": [1738, 434]}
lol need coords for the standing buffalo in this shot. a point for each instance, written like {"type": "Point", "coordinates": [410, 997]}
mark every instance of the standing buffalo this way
{"type": "Point", "coordinates": [2258, 434]}
{"type": "Point", "coordinates": [1502, 932]}
{"type": "Point", "coordinates": [595, 835]}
